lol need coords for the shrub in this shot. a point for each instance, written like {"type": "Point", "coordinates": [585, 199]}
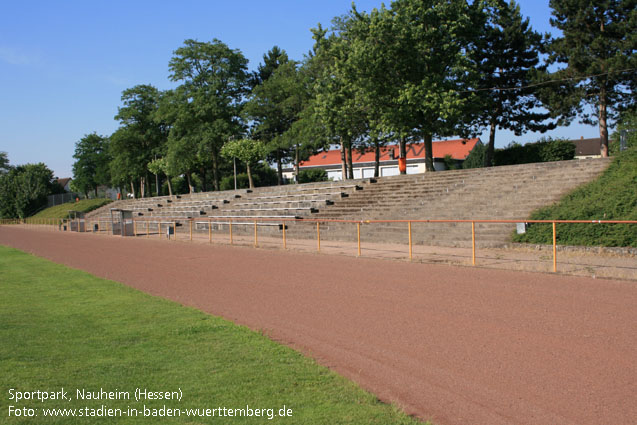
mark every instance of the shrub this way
{"type": "Point", "coordinates": [544, 150]}
{"type": "Point", "coordinates": [476, 157]}
{"type": "Point", "coordinates": [312, 175]}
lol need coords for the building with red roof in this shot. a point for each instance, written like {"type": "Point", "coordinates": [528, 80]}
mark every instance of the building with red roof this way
{"type": "Point", "coordinates": [363, 162]}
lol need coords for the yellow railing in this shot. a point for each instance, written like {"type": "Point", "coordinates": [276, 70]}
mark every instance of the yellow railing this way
{"type": "Point", "coordinates": [150, 225]}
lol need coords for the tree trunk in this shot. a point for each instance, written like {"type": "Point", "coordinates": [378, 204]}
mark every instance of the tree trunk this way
{"type": "Point", "coordinates": [132, 188]}
{"type": "Point", "coordinates": [157, 191]}
{"type": "Point", "coordinates": [251, 183]}
{"type": "Point", "coordinates": [403, 151]}
{"type": "Point", "coordinates": [95, 192]}
{"type": "Point", "coordinates": [296, 163]}
{"type": "Point", "coordinates": [141, 187]}
{"type": "Point", "coordinates": [215, 171]}
{"type": "Point", "coordinates": [279, 168]}
{"type": "Point", "coordinates": [377, 159]}
{"type": "Point", "coordinates": [603, 124]}
{"type": "Point", "coordinates": [488, 155]}
{"type": "Point", "coordinates": [350, 161]}
{"type": "Point", "coordinates": [170, 186]}
{"type": "Point", "coordinates": [429, 156]}
{"type": "Point", "coordinates": [343, 160]}
{"type": "Point", "coordinates": [204, 184]}
{"type": "Point", "coordinates": [190, 188]}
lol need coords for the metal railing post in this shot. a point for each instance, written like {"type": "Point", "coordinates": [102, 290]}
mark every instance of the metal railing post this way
{"type": "Point", "coordinates": [358, 231]}
{"type": "Point", "coordinates": [284, 240]}
{"type": "Point", "coordinates": [410, 246]}
{"type": "Point", "coordinates": [318, 236]}
{"type": "Point", "coordinates": [554, 248]}
{"type": "Point", "coordinates": [473, 243]}
{"type": "Point", "coordinates": [209, 230]}
{"type": "Point", "coordinates": [256, 237]}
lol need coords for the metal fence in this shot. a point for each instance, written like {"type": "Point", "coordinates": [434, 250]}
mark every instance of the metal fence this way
{"type": "Point", "coordinates": [61, 198]}
{"type": "Point", "coordinates": [228, 230]}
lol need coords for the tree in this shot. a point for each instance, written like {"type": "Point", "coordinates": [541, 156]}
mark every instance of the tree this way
{"type": "Point", "coordinates": [597, 46]}
{"type": "Point", "coordinates": [415, 64]}
{"type": "Point", "coordinates": [4, 163]}
{"type": "Point", "coordinates": [336, 102]}
{"type": "Point", "coordinates": [142, 136]}
{"type": "Point", "coordinates": [246, 150]}
{"type": "Point", "coordinates": [91, 167]}
{"type": "Point", "coordinates": [207, 105]}
{"type": "Point", "coordinates": [274, 106]}
{"type": "Point", "coordinates": [160, 165]}
{"type": "Point", "coordinates": [274, 58]}
{"type": "Point", "coordinates": [507, 58]}
{"type": "Point", "coordinates": [23, 190]}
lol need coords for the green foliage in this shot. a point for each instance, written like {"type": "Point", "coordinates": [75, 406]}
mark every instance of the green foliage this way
{"type": "Point", "coordinates": [65, 328]}
{"type": "Point", "coordinates": [204, 111]}
{"type": "Point", "coordinates": [91, 166]}
{"type": "Point", "coordinates": [450, 163]}
{"type": "Point", "coordinates": [261, 176]}
{"type": "Point", "coordinates": [245, 150]}
{"type": "Point", "coordinates": [628, 126]}
{"type": "Point", "coordinates": [312, 175]}
{"type": "Point", "coordinates": [611, 197]}
{"type": "Point", "coordinates": [476, 157]}
{"type": "Point", "coordinates": [507, 55]}
{"type": "Point", "coordinates": [62, 211]}
{"type": "Point", "coordinates": [544, 150]}
{"type": "Point", "coordinates": [4, 163]}
{"type": "Point", "coordinates": [140, 137]}
{"type": "Point", "coordinates": [599, 49]}
{"type": "Point", "coordinates": [23, 190]}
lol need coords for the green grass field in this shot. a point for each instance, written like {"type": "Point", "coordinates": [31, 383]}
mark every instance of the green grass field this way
{"type": "Point", "coordinates": [62, 210]}
{"type": "Point", "coordinates": [61, 327]}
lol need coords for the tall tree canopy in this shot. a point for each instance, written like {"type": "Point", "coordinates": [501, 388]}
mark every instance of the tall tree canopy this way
{"type": "Point", "coordinates": [23, 190]}
{"type": "Point", "coordinates": [507, 58]}
{"type": "Point", "coordinates": [421, 68]}
{"type": "Point", "coordinates": [92, 163]}
{"type": "Point", "coordinates": [4, 163]}
{"type": "Point", "coordinates": [274, 105]}
{"type": "Point", "coordinates": [598, 46]}
{"type": "Point", "coordinates": [139, 138]}
{"type": "Point", "coordinates": [206, 107]}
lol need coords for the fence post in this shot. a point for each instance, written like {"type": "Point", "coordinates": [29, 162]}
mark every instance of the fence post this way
{"type": "Point", "coordinates": [554, 249]}
{"type": "Point", "coordinates": [358, 231]}
{"type": "Point", "coordinates": [473, 243]}
{"type": "Point", "coordinates": [231, 241]}
{"type": "Point", "coordinates": [284, 241]}
{"type": "Point", "coordinates": [175, 229]}
{"type": "Point", "coordinates": [209, 230]}
{"type": "Point", "coordinates": [135, 227]}
{"type": "Point", "coordinates": [318, 236]}
{"type": "Point", "coordinates": [410, 249]}
{"type": "Point", "coordinates": [190, 228]}
{"type": "Point", "coordinates": [256, 238]}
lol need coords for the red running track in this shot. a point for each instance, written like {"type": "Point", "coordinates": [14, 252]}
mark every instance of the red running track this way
{"type": "Point", "coordinates": [454, 345]}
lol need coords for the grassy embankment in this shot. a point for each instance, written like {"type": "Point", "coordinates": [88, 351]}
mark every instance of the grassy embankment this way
{"type": "Point", "coordinates": [62, 210]}
{"type": "Point", "coordinates": [65, 328]}
{"type": "Point", "coordinates": [612, 196]}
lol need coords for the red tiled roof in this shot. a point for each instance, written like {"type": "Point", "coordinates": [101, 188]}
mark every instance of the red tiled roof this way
{"type": "Point", "coordinates": [458, 149]}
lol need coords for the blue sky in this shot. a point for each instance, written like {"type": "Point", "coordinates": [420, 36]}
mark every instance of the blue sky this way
{"type": "Point", "coordinates": [64, 64]}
